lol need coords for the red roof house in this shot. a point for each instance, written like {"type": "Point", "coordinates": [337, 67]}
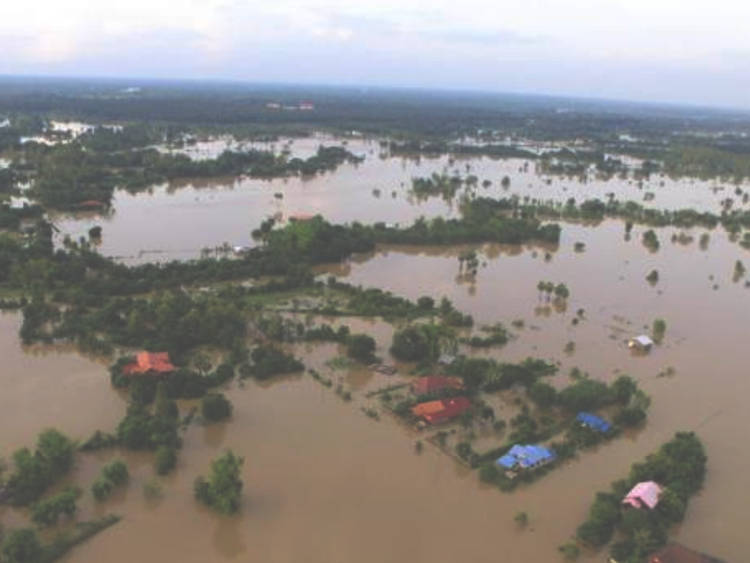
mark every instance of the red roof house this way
{"type": "Point", "coordinates": [676, 553]}
{"type": "Point", "coordinates": [435, 412]}
{"type": "Point", "coordinates": [434, 383]}
{"type": "Point", "coordinates": [148, 362]}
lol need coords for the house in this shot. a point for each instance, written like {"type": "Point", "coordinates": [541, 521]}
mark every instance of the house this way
{"type": "Point", "coordinates": [526, 457]}
{"type": "Point", "coordinates": [643, 495]}
{"type": "Point", "coordinates": [435, 383]}
{"type": "Point", "coordinates": [307, 106]}
{"type": "Point", "coordinates": [677, 553]}
{"type": "Point", "coordinates": [444, 359]}
{"type": "Point", "coordinates": [151, 363]}
{"type": "Point", "coordinates": [435, 412]}
{"type": "Point", "coordinates": [594, 422]}
{"type": "Point", "coordinates": [641, 342]}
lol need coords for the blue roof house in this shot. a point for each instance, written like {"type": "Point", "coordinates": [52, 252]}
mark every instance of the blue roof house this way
{"type": "Point", "coordinates": [526, 457]}
{"type": "Point", "coordinates": [594, 422]}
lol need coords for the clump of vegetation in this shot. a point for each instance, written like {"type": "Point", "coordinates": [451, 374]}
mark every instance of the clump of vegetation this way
{"type": "Point", "coordinates": [679, 467]}
{"type": "Point", "coordinates": [650, 240]}
{"type": "Point", "coordinates": [269, 361]}
{"type": "Point", "coordinates": [579, 247]}
{"type": "Point", "coordinates": [659, 329]}
{"type": "Point", "coordinates": [46, 512]}
{"type": "Point", "coordinates": [165, 459]}
{"type": "Point", "coordinates": [653, 277]}
{"type": "Point", "coordinates": [215, 407]}
{"type": "Point", "coordinates": [560, 290]}
{"type": "Point", "coordinates": [36, 471]}
{"type": "Point", "coordinates": [112, 475]}
{"type": "Point", "coordinates": [522, 519]}
{"type": "Point", "coordinates": [361, 347]}
{"type": "Point", "coordinates": [739, 271]}
{"type": "Point", "coordinates": [223, 489]}
{"type": "Point", "coordinates": [570, 551]}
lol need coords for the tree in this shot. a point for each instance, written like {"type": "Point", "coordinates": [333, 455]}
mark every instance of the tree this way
{"type": "Point", "coordinates": [46, 512]}
{"type": "Point", "coordinates": [22, 546]}
{"type": "Point", "coordinates": [561, 291]}
{"type": "Point", "coordinates": [165, 459]}
{"type": "Point", "coordinates": [416, 343]}
{"type": "Point", "coordinates": [56, 450]}
{"type": "Point", "coordinates": [361, 347]}
{"type": "Point", "coordinates": [659, 329]}
{"type": "Point", "coordinates": [222, 491]}
{"type": "Point", "coordinates": [543, 394]}
{"type": "Point", "coordinates": [215, 407]}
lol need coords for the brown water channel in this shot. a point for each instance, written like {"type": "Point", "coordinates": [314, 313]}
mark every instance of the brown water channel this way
{"type": "Point", "coordinates": [324, 483]}
{"type": "Point", "coordinates": [176, 221]}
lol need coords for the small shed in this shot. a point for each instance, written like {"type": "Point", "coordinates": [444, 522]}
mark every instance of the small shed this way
{"type": "Point", "coordinates": [594, 422]}
{"type": "Point", "coordinates": [640, 342]}
{"type": "Point", "coordinates": [644, 495]}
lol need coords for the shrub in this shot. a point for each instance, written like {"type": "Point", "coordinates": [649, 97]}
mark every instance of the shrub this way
{"type": "Point", "coordinates": [215, 407]}
{"type": "Point", "coordinates": [222, 490]}
{"type": "Point", "coordinates": [361, 347]}
{"type": "Point", "coordinates": [165, 459]}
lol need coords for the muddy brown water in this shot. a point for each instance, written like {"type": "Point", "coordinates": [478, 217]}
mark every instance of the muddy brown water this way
{"type": "Point", "coordinates": [326, 484]}
{"type": "Point", "coordinates": [176, 221]}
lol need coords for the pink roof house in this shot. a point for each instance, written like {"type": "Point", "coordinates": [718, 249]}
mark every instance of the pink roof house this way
{"type": "Point", "coordinates": [643, 495]}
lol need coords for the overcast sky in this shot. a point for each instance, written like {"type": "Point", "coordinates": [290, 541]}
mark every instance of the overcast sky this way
{"type": "Point", "coordinates": [659, 50]}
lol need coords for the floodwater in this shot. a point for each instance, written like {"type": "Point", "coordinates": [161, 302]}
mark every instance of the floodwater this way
{"type": "Point", "coordinates": [326, 484]}
{"type": "Point", "coordinates": [178, 220]}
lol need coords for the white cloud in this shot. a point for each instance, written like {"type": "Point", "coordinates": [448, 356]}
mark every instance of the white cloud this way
{"type": "Point", "coordinates": [420, 42]}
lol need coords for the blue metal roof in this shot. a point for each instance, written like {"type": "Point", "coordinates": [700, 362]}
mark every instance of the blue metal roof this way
{"type": "Point", "coordinates": [525, 456]}
{"type": "Point", "coordinates": [594, 422]}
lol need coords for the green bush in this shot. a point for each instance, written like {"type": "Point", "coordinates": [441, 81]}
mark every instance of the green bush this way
{"type": "Point", "coordinates": [165, 459]}
{"type": "Point", "coordinates": [215, 407]}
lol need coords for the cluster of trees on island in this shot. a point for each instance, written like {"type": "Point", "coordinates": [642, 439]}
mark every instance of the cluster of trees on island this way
{"type": "Point", "coordinates": [679, 467]}
{"type": "Point", "coordinates": [84, 171]}
{"type": "Point", "coordinates": [33, 474]}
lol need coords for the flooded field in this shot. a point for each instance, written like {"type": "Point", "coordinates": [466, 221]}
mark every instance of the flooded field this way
{"type": "Point", "coordinates": [177, 221]}
{"type": "Point", "coordinates": [323, 482]}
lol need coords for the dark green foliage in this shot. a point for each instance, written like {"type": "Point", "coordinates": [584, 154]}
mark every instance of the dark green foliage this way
{"type": "Point", "coordinates": [22, 546]}
{"type": "Point", "coordinates": [543, 394]}
{"type": "Point", "coordinates": [47, 511]}
{"type": "Point", "coordinates": [488, 473]}
{"type": "Point", "coordinates": [215, 407]}
{"type": "Point", "coordinates": [112, 475]}
{"type": "Point", "coordinates": [140, 429]}
{"type": "Point", "coordinates": [165, 459]}
{"type": "Point", "coordinates": [584, 395]}
{"type": "Point", "coordinates": [223, 489]}
{"type": "Point", "coordinates": [269, 361]}
{"type": "Point", "coordinates": [679, 466]}
{"type": "Point", "coordinates": [35, 472]}
{"type": "Point", "coordinates": [415, 343]}
{"type": "Point", "coordinates": [361, 347]}
{"type": "Point", "coordinates": [650, 240]}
